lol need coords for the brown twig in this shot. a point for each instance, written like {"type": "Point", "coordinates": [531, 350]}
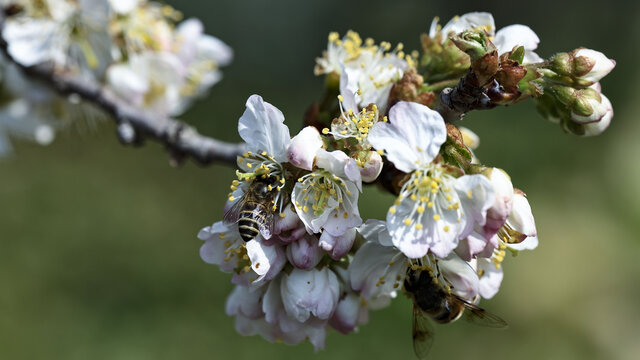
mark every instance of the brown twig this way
{"type": "Point", "coordinates": [180, 139]}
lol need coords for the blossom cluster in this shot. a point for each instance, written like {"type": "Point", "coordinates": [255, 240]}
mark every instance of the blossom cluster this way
{"type": "Point", "coordinates": [302, 258]}
{"type": "Point", "coordinates": [134, 48]}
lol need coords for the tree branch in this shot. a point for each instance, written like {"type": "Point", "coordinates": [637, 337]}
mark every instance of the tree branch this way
{"type": "Point", "coordinates": [179, 138]}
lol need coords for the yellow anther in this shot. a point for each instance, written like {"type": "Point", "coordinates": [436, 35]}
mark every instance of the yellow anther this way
{"type": "Point", "coordinates": [340, 98]}
{"type": "Point", "coordinates": [469, 194]}
{"type": "Point", "coordinates": [420, 209]}
{"type": "Point", "coordinates": [345, 215]}
{"type": "Point", "coordinates": [381, 152]}
{"type": "Point", "coordinates": [449, 197]}
{"type": "Point", "coordinates": [325, 131]}
{"type": "Point", "coordinates": [430, 204]}
{"type": "Point", "coordinates": [249, 165]}
{"type": "Point", "coordinates": [407, 221]}
{"type": "Point", "coordinates": [436, 217]}
{"type": "Point", "coordinates": [231, 198]}
{"type": "Point", "coordinates": [305, 208]}
{"type": "Point", "coordinates": [418, 226]}
{"type": "Point", "coordinates": [282, 215]}
{"type": "Point", "coordinates": [446, 228]}
{"type": "Point", "coordinates": [414, 197]}
{"type": "Point", "coordinates": [392, 210]}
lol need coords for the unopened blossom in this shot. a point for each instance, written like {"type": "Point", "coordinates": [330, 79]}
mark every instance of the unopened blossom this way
{"type": "Point", "coordinates": [337, 246]}
{"type": "Point", "coordinates": [259, 311]}
{"type": "Point", "coordinates": [305, 253]}
{"type": "Point", "coordinates": [304, 147]}
{"type": "Point", "coordinates": [596, 109]}
{"type": "Point", "coordinates": [598, 63]}
{"type": "Point", "coordinates": [504, 39]}
{"type": "Point", "coordinates": [434, 209]}
{"type": "Point", "coordinates": [307, 293]}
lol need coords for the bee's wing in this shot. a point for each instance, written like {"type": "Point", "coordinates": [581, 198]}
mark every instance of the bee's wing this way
{"type": "Point", "coordinates": [422, 333]}
{"type": "Point", "coordinates": [479, 316]}
{"type": "Point", "coordinates": [266, 226]}
{"type": "Point", "coordinates": [231, 216]}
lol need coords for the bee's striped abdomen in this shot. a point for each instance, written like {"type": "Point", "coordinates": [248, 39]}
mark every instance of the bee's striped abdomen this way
{"type": "Point", "coordinates": [250, 220]}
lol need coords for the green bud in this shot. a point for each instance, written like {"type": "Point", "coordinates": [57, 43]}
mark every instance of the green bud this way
{"type": "Point", "coordinates": [561, 64]}
{"type": "Point", "coordinates": [517, 54]}
{"type": "Point", "coordinates": [474, 44]}
{"type": "Point", "coordinates": [564, 94]}
{"type": "Point", "coordinates": [582, 106]}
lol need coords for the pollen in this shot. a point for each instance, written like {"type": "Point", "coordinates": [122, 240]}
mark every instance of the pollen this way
{"type": "Point", "coordinates": [414, 197]}
{"type": "Point", "coordinates": [345, 215]}
{"type": "Point", "coordinates": [340, 98]}
{"type": "Point", "coordinates": [420, 209]}
{"type": "Point", "coordinates": [418, 226]}
{"type": "Point", "coordinates": [325, 131]}
{"type": "Point", "coordinates": [305, 208]}
{"type": "Point", "coordinates": [469, 194]}
{"type": "Point", "coordinates": [407, 221]}
{"type": "Point", "coordinates": [249, 165]}
{"type": "Point", "coordinates": [392, 210]}
{"type": "Point", "coordinates": [430, 204]}
{"type": "Point", "coordinates": [436, 217]}
{"type": "Point", "coordinates": [446, 228]}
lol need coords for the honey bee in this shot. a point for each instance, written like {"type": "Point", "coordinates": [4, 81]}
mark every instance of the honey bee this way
{"type": "Point", "coordinates": [254, 210]}
{"type": "Point", "coordinates": [432, 301]}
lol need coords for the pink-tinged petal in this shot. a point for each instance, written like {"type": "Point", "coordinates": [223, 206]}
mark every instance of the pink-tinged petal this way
{"type": "Point", "coordinates": [518, 35]}
{"type": "Point", "coordinates": [305, 253]}
{"type": "Point", "coordinates": [463, 279]}
{"type": "Point", "coordinates": [310, 293]}
{"type": "Point", "coordinates": [412, 137]}
{"type": "Point", "coordinates": [303, 148]}
{"type": "Point", "coordinates": [262, 128]}
{"type": "Point", "coordinates": [471, 246]}
{"type": "Point", "coordinates": [476, 197]}
{"type": "Point", "coordinates": [497, 214]}
{"type": "Point", "coordinates": [372, 167]}
{"type": "Point", "coordinates": [490, 279]}
{"type": "Point", "coordinates": [337, 246]}
{"type": "Point", "coordinates": [347, 314]}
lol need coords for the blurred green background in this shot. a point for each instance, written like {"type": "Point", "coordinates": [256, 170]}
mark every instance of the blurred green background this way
{"type": "Point", "coordinates": [99, 256]}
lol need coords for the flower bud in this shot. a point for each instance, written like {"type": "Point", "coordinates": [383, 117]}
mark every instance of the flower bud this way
{"type": "Point", "coordinates": [597, 127]}
{"type": "Point", "coordinates": [370, 165]}
{"type": "Point", "coordinates": [590, 106]}
{"type": "Point", "coordinates": [303, 148]}
{"type": "Point", "coordinates": [337, 246]}
{"type": "Point", "coordinates": [310, 293]}
{"type": "Point", "coordinates": [592, 65]}
{"type": "Point", "coordinates": [304, 253]}
{"type": "Point", "coordinates": [348, 314]}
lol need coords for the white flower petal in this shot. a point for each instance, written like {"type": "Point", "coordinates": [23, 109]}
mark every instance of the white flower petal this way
{"type": "Point", "coordinates": [262, 128]}
{"type": "Point", "coordinates": [602, 66]}
{"type": "Point", "coordinates": [337, 246]}
{"type": "Point", "coordinates": [470, 21]}
{"type": "Point", "coordinates": [476, 196]}
{"type": "Point", "coordinates": [518, 35]}
{"type": "Point", "coordinates": [304, 147]}
{"type": "Point", "coordinates": [464, 280]}
{"type": "Point", "coordinates": [412, 137]}
{"type": "Point", "coordinates": [372, 263]}
{"type": "Point", "coordinates": [305, 253]}
{"type": "Point", "coordinates": [490, 279]}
